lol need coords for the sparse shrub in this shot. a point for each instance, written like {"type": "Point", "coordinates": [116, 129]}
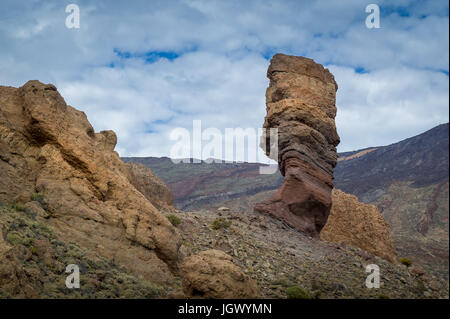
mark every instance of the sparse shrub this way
{"type": "Point", "coordinates": [406, 261]}
{"type": "Point", "coordinates": [383, 296]}
{"type": "Point", "coordinates": [13, 238]}
{"type": "Point", "coordinates": [28, 239]}
{"type": "Point", "coordinates": [220, 222]}
{"type": "Point", "coordinates": [175, 220]}
{"type": "Point", "coordinates": [38, 197]}
{"type": "Point", "coordinates": [19, 207]}
{"type": "Point", "coordinates": [42, 229]}
{"type": "Point", "coordinates": [316, 294]}
{"type": "Point", "coordinates": [296, 292]}
{"type": "Point", "coordinates": [74, 251]}
{"type": "Point", "coordinates": [34, 250]}
{"type": "Point", "coordinates": [281, 282]}
{"type": "Point", "coordinates": [420, 286]}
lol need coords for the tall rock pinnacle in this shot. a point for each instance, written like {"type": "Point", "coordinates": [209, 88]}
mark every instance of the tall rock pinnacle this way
{"type": "Point", "coordinates": [300, 102]}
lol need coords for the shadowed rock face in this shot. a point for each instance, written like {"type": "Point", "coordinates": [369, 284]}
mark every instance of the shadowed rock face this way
{"type": "Point", "coordinates": [143, 179]}
{"type": "Point", "coordinates": [300, 102]}
{"type": "Point", "coordinates": [48, 147]}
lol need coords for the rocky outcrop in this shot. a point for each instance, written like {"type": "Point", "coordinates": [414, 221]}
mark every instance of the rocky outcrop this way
{"type": "Point", "coordinates": [13, 278]}
{"type": "Point", "coordinates": [143, 179]}
{"type": "Point", "coordinates": [278, 257]}
{"type": "Point", "coordinates": [300, 103]}
{"type": "Point", "coordinates": [359, 225]}
{"type": "Point", "coordinates": [49, 148]}
{"type": "Point", "coordinates": [211, 274]}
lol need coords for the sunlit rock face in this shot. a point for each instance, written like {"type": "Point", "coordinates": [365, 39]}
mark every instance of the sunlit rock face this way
{"type": "Point", "coordinates": [50, 148]}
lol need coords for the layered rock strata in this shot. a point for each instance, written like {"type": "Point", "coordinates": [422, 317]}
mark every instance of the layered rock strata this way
{"type": "Point", "coordinates": [300, 103]}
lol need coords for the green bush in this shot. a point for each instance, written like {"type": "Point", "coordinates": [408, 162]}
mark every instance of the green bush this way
{"type": "Point", "coordinates": [297, 293]}
{"type": "Point", "coordinates": [406, 261]}
{"type": "Point", "coordinates": [34, 250]}
{"type": "Point", "coordinates": [382, 296]}
{"type": "Point", "coordinates": [13, 238]}
{"type": "Point", "coordinates": [221, 222]}
{"type": "Point", "coordinates": [38, 197]}
{"type": "Point", "coordinates": [175, 220]}
{"type": "Point", "coordinates": [20, 207]}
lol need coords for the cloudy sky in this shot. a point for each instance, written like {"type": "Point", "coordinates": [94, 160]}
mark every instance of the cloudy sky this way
{"type": "Point", "coordinates": [143, 68]}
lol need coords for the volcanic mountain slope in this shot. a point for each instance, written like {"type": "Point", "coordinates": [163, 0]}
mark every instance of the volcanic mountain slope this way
{"type": "Point", "coordinates": [421, 160]}
{"type": "Point", "coordinates": [200, 185]}
{"type": "Point", "coordinates": [407, 181]}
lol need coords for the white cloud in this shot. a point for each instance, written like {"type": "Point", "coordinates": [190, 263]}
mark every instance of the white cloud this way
{"type": "Point", "coordinates": [146, 101]}
{"type": "Point", "coordinates": [219, 76]}
{"type": "Point", "coordinates": [388, 105]}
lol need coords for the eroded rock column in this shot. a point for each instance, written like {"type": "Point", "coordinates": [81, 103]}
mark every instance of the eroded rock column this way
{"type": "Point", "coordinates": [300, 102]}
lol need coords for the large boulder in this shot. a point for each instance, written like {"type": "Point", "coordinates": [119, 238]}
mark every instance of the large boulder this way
{"type": "Point", "coordinates": [360, 225]}
{"type": "Point", "coordinates": [50, 148]}
{"type": "Point", "coordinates": [300, 103]}
{"type": "Point", "coordinates": [212, 274]}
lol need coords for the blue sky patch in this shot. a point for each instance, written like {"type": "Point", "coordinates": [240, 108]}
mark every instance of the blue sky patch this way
{"type": "Point", "coordinates": [360, 70]}
{"type": "Point", "coordinates": [150, 57]}
{"type": "Point", "coordinates": [388, 10]}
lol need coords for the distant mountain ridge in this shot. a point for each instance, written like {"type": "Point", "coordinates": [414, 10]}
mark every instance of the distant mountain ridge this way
{"type": "Point", "coordinates": [198, 184]}
{"type": "Point", "coordinates": [422, 159]}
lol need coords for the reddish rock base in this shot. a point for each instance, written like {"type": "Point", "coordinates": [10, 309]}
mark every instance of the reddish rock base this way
{"type": "Point", "coordinates": [304, 199]}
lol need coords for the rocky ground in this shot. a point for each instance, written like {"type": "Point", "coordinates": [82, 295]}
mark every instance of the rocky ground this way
{"type": "Point", "coordinates": [278, 257]}
{"type": "Point", "coordinates": [34, 256]}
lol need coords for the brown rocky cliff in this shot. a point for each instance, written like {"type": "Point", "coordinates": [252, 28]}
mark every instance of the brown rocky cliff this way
{"type": "Point", "coordinates": [143, 179]}
{"type": "Point", "coordinates": [301, 105]}
{"type": "Point", "coordinates": [359, 225]}
{"type": "Point", "coordinates": [50, 148]}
